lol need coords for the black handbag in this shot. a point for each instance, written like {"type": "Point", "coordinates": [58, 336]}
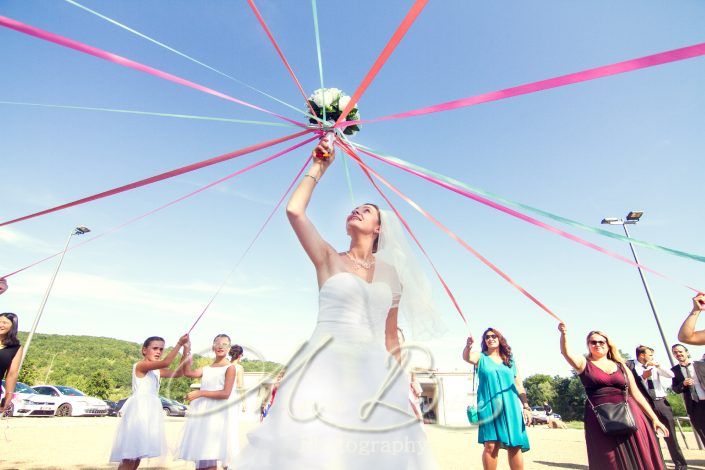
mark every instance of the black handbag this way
{"type": "Point", "coordinates": [616, 419]}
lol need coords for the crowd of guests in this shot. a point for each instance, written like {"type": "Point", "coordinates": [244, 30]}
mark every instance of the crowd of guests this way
{"type": "Point", "coordinates": [626, 410]}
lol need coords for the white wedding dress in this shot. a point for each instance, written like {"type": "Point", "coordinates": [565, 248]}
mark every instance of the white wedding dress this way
{"type": "Point", "coordinates": [318, 418]}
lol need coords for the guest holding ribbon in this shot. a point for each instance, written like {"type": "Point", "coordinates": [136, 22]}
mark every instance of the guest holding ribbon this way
{"type": "Point", "coordinates": [10, 357]}
{"type": "Point", "coordinates": [208, 437]}
{"type": "Point", "coordinates": [617, 433]}
{"type": "Point", "coordinates": [652, 380]}
{"type": "Point", "coordinates": [689, 379]}
{"type": "Point", "coordinates": [687, 333]}
{"type": "Point", "coordinates": [502, 407]}
{"type": "Point", "coordinates": [141, 433]}
{"type": "Point", "coordinates": [3, 285]}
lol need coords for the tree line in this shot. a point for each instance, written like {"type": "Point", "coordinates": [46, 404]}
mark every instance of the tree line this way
{"type": "Point", "coordinates": [566, 395]}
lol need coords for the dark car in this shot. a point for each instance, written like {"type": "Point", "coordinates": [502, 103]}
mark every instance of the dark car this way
{"type": "Point", "coordinates": [170, 407]}
{"type": "Point", "coordinates": [173, 407]}
{"type": "Point", "coordinates": [112, 407]}
{"type": "Point", "coordinates": [118, 406]}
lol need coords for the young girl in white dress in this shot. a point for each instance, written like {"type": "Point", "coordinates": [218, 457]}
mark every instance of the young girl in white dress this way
{"type": "Point", "coordinates": [207, 437]}
{"type": "Point", "coordinates": [343, 403]}
{"type": "Point", "coordinates": [140, 433]}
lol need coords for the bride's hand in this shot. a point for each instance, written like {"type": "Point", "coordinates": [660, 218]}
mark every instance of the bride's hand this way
{"type": "Point", "coordinates": [324, 153]}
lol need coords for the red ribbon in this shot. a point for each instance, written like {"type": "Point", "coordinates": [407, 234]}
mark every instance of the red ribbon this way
{"type": "Point", "coordinates": [352, 154]}
{"type": "Point", "coordinates": [279, 51]}
{"type": "Point", "coordinates": [193, 193]}
{"type": "Point", "coordinates": [409, 19]}
{"type": "Point", "coordinates": [161, 176]}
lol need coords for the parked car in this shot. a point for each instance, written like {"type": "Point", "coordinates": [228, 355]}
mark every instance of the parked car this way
{"type": "Point", "coordinates": [173, 407]}
{"type": "Point", "coordinates": [28, 403]}
{"type": "Point", "coordinates": [73, 402]}
{"type": "Point", "coordinates": [112, 407]}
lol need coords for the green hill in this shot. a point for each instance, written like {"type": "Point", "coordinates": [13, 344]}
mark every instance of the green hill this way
{"type": "Point", "coordinates": [100, 366]}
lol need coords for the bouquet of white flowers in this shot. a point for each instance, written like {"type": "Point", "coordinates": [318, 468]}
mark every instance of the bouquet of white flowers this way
{"type": "Point", "coordinates": [334, 101]}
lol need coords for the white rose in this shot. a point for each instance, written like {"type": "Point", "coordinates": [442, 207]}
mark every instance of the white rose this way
{"type": "Point", "coordinates": [343, 102]}
{"type": "Point", "coordinates": [330, 95]}
{"type": "Point", "coordinates": [317, 97]}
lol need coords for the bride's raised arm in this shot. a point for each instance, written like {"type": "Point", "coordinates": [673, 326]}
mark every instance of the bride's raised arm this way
{"type": "Point", "coordinates": [315, 246]}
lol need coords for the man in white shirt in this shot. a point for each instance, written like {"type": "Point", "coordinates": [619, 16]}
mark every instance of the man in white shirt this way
{"type": "Point", "coordinates": [653, 380]}
{"type": "Point", "coordinates": [689, 380]}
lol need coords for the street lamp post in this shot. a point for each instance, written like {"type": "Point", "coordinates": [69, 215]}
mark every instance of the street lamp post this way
{"type": "Point", "coordinates": [38, 316]}
{"type": "Point", "coordinates": [631, 219]}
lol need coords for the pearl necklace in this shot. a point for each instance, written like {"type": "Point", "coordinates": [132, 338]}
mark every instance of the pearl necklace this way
{"type": "Point", "coordinates": [360, 263]}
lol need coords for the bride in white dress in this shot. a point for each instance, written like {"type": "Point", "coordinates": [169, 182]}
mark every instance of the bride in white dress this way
{"type": "Point", "coordinates": [343, 403]}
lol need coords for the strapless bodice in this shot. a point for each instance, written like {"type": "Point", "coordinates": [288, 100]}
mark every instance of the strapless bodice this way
{"type": "Point", "coordinates": [352, 309]}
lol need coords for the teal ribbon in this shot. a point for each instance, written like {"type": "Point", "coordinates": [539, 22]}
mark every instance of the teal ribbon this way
{"type": "Point", "coordinates": [188, 57]}
{"type": "Point", "coordinates": [149, 113]}
{"type": "Point", "coordinates": [558, 218]}
{"type": "Point", "coordinates": [318, 51]}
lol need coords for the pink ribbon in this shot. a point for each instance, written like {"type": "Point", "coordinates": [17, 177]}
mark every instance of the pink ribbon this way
{"type": "Point", "coordinates": [352, 154]}
{"type": "Point", "coordinates": [168, 204]}
{"type": "Point", "coordinates": [252, 243]}
{"type": "Point", "coordinates": [523, 217]}
{"type": "Point", "coordinates": [590, 74]}
{"type": "Point", "coordinates": [109, 56]}
{"type": "Point", "coordinates": [160, 177]}
{"type": "Point", "coordinates": [462, 242]}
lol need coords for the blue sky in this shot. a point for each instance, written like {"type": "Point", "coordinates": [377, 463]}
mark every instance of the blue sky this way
{"type": "Point", "coordinates": [586, 151]}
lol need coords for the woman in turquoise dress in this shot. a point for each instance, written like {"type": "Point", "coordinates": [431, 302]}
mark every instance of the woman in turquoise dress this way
{"type": "Point", "coordinates": [501, 401]}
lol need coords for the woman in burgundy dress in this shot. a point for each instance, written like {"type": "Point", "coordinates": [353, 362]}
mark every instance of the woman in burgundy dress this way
{"type": "Point", "coordinates": [605, 377]}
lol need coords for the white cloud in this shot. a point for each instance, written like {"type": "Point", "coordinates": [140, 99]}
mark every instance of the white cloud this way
{"type": "Point", "coordinates": [25, 242]}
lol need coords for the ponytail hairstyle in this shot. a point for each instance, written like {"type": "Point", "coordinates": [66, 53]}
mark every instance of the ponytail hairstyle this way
{"type": "Point", "coordinates": [235, 352]}
{"type": "Point", "coordinates": [11, 336]}
{"type": "Point", "coordinates": [222, 335]}
{"type": "Point", "coordinates": [149, 340]}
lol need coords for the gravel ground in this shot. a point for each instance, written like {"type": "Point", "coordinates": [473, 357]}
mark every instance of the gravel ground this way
{"type": "Point", "coordinates": [83, 443]}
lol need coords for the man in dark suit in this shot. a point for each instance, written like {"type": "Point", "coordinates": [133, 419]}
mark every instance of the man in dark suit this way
{"type": "Point", "coordinates": [652, 380]}
{"type": "Point", "coordinates": [689, 379]}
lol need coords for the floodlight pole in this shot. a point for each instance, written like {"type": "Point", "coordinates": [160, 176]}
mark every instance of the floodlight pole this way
{"type": "Point", "coordinates": [38, 316]}
{"type": "Point", "coordinates": [648, 295]}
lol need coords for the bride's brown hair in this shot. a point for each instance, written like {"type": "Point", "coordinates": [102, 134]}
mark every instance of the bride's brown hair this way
{"type": "Point", "coordinates": [379, 218]}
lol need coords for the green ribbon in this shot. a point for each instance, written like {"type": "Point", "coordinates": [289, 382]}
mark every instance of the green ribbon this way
{"type": "Point", "coordinates": [149, 113]}
{"type": "Point", "coordinates": [558, 218]}
{"type": "Point", "coordinates": [188, 57]}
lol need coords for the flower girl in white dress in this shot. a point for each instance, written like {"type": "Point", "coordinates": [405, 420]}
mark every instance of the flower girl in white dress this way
{"type": "Point", "coordinates": [140, 434]}
{"type": "Point", "coordinates": [208, 437]}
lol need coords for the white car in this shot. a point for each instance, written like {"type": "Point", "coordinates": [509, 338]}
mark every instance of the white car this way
{"type": "Point", "coordinates": [73, 402]}
{"type": "Point", "coordinates": [28, 402]}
